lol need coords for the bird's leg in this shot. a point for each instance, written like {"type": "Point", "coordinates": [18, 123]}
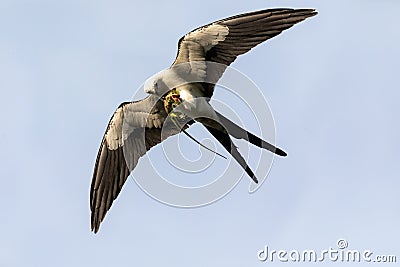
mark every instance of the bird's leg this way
{"type": "Point", "coordinates": [173, 100]}
{"type": "Point", "coordinates": [174, 119]}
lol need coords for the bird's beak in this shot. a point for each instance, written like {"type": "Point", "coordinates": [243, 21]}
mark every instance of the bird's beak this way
{"type": "Point", "coordinates": [149, 90]}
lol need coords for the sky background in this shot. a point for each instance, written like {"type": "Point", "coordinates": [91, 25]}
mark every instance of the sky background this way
{"type": "Point", "coordinates": [331, 82]}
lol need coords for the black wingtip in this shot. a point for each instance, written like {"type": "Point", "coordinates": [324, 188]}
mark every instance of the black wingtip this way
{"type": "Point", "coordinates": [313, 13]}
{"type": "Point", "coordinates": [95, 230]}
{"type": "Point", "coordinates": [94, 227]}
{"type": "Point", "coordinates": [309, 11]}
{"type": "Point", "coordinates": [305, 13]}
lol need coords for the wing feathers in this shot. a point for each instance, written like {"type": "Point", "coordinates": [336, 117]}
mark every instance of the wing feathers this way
{"type": "Point", "coordinates": [111, 169]}
{"type": "Point", "coordinates": [134, 129]}
{"type": "Point", "coordinates": [224, 40]}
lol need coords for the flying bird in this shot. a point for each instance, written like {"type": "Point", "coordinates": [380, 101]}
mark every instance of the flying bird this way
{"type": "Point", "coordinates": [203, 54]}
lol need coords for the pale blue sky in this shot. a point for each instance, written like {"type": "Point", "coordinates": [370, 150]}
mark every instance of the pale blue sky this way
{"type": "Point", "coordinates": [332, 84]}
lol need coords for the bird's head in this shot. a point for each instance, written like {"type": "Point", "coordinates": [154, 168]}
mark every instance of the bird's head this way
{"type": "Point", "coordinates": [150, 86]}
{"type": "Point", "coordinates": [155, 85]}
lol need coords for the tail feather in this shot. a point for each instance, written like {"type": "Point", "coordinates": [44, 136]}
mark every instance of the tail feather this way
{"type": "Point", "coordinates": [240, 133]}
{"type": "Point", "coordinates": [223, 137]}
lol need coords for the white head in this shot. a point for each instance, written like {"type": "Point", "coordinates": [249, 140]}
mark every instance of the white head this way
{"type": "Point", "coordinates": [165, 80]}
{"type": "Point", "coordinates": [156, 85]}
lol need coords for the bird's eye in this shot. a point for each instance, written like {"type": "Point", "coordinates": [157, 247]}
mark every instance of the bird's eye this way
{"type": "Point", "coordinates": [155, 85]}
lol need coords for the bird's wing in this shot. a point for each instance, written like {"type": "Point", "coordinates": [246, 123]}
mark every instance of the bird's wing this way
{"type": "Point", "coordinates": [134, 128]}
{"type": "Point", "coordinates": [224, 40]}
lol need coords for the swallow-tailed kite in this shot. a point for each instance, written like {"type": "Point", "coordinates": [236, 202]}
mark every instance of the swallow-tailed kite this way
{"type": "Point", "coordinates": [136, 127]}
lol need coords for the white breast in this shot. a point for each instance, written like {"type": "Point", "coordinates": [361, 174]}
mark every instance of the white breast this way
{"type": "Point", "coordinates": [189, 92]}
{"type": "Point", "coordinates": [194, 103]}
